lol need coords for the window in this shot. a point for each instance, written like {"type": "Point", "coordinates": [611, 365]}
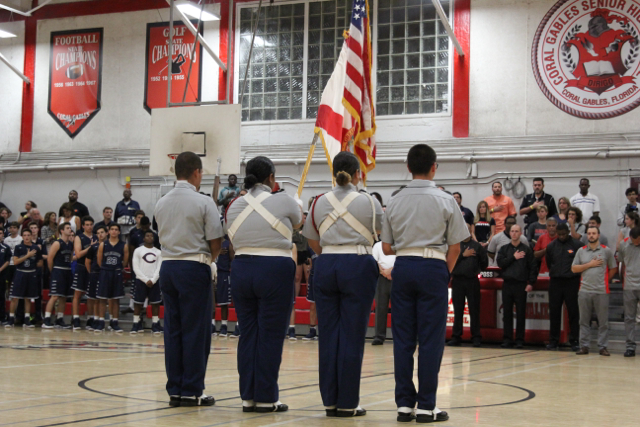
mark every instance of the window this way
{"type": "Point", "coordinates": [297, 45]}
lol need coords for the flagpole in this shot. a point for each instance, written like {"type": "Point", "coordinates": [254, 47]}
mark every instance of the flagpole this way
{"type": "Point", "coordinates": [307, 165]}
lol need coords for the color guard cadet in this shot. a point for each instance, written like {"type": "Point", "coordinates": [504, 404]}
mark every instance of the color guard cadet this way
{"type": "Point", "coordinates": [342, 229]}
{"type": "Point", "coordinates": [191, 235]}
{"type": "Point", "coordinates": [423, 226]}
{"type": "Point", "coordinates": [260, 225]}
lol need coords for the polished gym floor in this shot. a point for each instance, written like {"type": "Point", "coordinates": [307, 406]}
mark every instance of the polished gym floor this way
{"type": "Point", "coordinates": [65, 378]}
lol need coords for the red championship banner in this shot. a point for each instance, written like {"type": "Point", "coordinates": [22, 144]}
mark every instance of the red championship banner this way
{"type": "Point", "coordinates": [75, 78]}
{"type": "Point", "coordinates": [157, 73]}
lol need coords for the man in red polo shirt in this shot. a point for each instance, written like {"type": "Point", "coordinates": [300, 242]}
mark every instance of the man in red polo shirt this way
{"type": "Point", "coordinates": [540, 250]}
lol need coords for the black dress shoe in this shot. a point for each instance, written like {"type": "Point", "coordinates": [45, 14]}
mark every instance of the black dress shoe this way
{"type": "Point", "coordinates": [506, 344]}
{"type": "Point", "coordinates": [359, 412]}
{"type": "Point", "coordinates": [630, 353]}
{"type": "Point", "coordinates": [454, 342]}
{"type": "Point", "coordinates": [426, 418]}
{"type": "Point", "coordinates": [405, 417]}
{"type": "Point", "coordinates": [279, 407]}
{"type": "Point", "coordinates": [248, 409]}
{"type": "Point", "coordinates": [519, 345]}
{"type": "Point", "coordinates": [575, 347]}
{"type": "Point", "coordinates": [174, 401]}
{"type": "Point", "coordinates": [477, 342]}
{"type": "Point", "coordinates": [377, 341]}
{"type": "Point", "coordinates": [203, 400]}
{"type": "Point", "coordinates": [331, 412]}
{"type": "Point", "coordinates": [552, 346]}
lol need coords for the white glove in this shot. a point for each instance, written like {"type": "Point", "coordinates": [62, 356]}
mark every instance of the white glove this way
{"type": "Point", "coordinates": [214, 271]}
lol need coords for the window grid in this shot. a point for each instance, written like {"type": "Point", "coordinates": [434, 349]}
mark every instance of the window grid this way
{"type": "Point", "coordinates": [297, 46]}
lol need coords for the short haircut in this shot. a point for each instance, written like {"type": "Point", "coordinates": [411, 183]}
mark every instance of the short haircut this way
{"type": "Point", "coordinates": [596, 218]}
{"type": "Point", "coordinates": [233, 175]}
{"type": "Point", "coordinates": [631, 190]}
{"type": "Point", "coordinates": [14, 224]}
{"type": "Point", "coordinates": [149, 232]}
{"type": "Point", "coordinates": [542, 208]}
{"type": "Point", "coordinates": [458, 193]}
{"type": "Point", "coordinates": [62, 226]}
{"type": "Point", "coordinates": [87, 218]}
{"type": "Point", "coordinates": [25, 230]}
{"type": "Point", "coordinates": [634, 233]}
{"type": "Point", "coordinates": [186, 164]}
{"type": "Point", "coordinates": [496, 182]}
{"type": "Point", "coordinates": [552, 219]}
{"type": "Point", "coordinates": [421, 159]}
{"type": "Point", "coordinates": [139, 212]}
{"type": "Point", "coordinates": [562, 227]}
{"type": "Point", "coordinates": [73, 191]}
{"type": "Point", "coordinates": [106, 209]}
{"type": "Point", "coordinates": [538, 180]}
{"type": "Point", "coordinates": [258, 170]}
{"type": "Point", "coordinates": [510, 218]}
{"type": "Point", "coordinates": [595, 228]}
{"type": "Point", "coordinates": [33, 223]}
{"type": "Point", "coordinates": [516, 225]}
{"type": "Point", "coordinates": [101, 227]}
{"type": "Point", "coordinates": [145, 220]}
{"type": "Point", "coordinates": [114, 225]}
{"type": "Point", "coordinates": [585, 179]}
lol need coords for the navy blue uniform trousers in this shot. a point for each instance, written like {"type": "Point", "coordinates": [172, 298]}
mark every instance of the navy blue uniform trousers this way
{"type": "Point", "coordinates": [188, 308]}
{"type": "Point", "coordinates": [344, 286]}
{"type": "Point", "coordinates": [262, 294]}
{"type": "Point", "coordinates": [419, 298]}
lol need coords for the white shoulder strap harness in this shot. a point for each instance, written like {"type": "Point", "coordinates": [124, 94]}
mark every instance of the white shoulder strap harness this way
{"type": "Point", "coordinates": [340, 211]}
{"type": "Point", "coordinates": [255, 204]}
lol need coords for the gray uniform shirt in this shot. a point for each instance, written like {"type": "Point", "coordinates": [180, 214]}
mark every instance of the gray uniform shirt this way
{"type": "Point", "coordinates": [595, 279]}
{"type": "Point", "coordinates": [630, 256]}
{"type": "Point", "coordinates": [341, 233]}
{"type": "Point", "coordinates": [187, 220]}
{"type": "Point", "coordinates": [501, 239]}
{"type": "Point", "coordinates": [255, 231]}
{"type": "Point", "coordinates": [422, 216]}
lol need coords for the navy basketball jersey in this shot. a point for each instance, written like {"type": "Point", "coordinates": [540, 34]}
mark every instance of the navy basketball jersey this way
{"type": "Point", "coordinates": [29, 263]}
{"type": "Point", "coordinates": [64, 256]}
{"type": "Point", "coordinates": [93, 256]}
{"type": "Point", "coordinates": [85, 242]}
{"type": "Point", "coordinates": [112, 255]}
{"type": "Point", "coordinates": [224, 259]}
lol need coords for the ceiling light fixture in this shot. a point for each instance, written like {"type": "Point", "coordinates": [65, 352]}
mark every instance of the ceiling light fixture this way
{"type": "Point", "coordinates": [6, 34]}
{"type": "Point", "coordinates": [193, 11]}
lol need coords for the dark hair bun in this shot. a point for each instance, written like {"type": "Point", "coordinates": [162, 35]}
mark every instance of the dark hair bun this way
{"type": "Point", "coordinates": [343, 178]}
{"type": "Point", "coordinates": [250, 181]}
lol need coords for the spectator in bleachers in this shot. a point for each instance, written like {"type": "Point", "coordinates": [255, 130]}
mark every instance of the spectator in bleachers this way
{"type": "Point", "coordinates": [383, 292]}
{"type": "Point", "coordinates": [501, 239]}
{"type": "Point", "coordinates": [563, 210]}
{"type": "Point", "coordinates": [466, 285]}
{"type": "Point", "coordinates": [500, 206]}
{"type": "Point", "coordinates": [484, 227]}
{"type": "Point", "coordinates": [49, 230]}
{"type": "Point", "coordinates": [468, 215]}
{"type": "Point", "coordinates": [631, 220]}
{"type": "Point", "coordinates": [34, 216]}
{"type": "Point", "coordinates": [588, 203]}
{"type": "Point", "coordinates": [5, 256]}
{"type": "Point", "coordinates": [631, 206]}
{"type": "Point", "coordinates": [229, 192]}
{"type": "Point", "coordinates": [77, 208]}
{"type": "Point", "coordinates": [629, 255]}
{"type": "Point", "coordinates": [107, 214]}
{"type": "Point", "coordinates": [563, 287]}
{"type": "Point", "coordinates": [596, 264]}
{"type": "Point", "coordinates": [532, 201]}
{"type": "Point", "coordinates": [68, 216]}
{"type": "Point", "coordinates": [125, 213]}
{"type": "Point", "coordinates": [538, 228]}
{"type": "Point", "coordinates": [539, 250]}
{"type": "Point", "coordinates": [519, 274]}
{"type": "Point", "coordinates": [595, 221]}
{"type": "Point", "coordinates": [4, 220]}
{"type": "Point", "coordinates": [138, 227]}
{"type": "Point", "coordinates": [574, 221]}
{"type": "Point", "coordinates": [24, 216]}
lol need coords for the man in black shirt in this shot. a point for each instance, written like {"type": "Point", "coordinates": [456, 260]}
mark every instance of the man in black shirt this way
{"type": "Point", "coordinates": [535, 199]}
{"type": "Point", "coordinates": [465, 284]}
{"type": "Point", "coordinates": [519, 273]}
{"type": "Point", "coordinates": [466, 213]}
{"type": "Point", "coordinates": [563, 287]}
{"type": "Point", "coordinates": [78, 208]}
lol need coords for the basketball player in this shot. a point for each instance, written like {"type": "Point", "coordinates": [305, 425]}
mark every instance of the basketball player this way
{"type": "Point", "coordinates": [35, 232]}
{"type": "Point", "coordinates": [91, 264]}
{"type": "Point", "coordinates": [342, 228]}
{"type": "Point", "coordinates": [423, 227]}
{"type": "Point", "coordinates": [82, 245]}
{"type": "Point", "coordinates": [260, 226]}
{"type": "Point", "coordinates": [59, 262]}
{"type": "Point", "coordinates": [113, 256]}
{"type": "Point", "coordinates": [223, 287]}
{"type": "Point", "coordinates": [26, 257]}
{"type": "Point", "coordinates": [146, 265]}
{"type": "Point", "coordinates": [5, 255]}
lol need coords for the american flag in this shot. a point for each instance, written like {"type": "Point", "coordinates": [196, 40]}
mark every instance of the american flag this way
{"type": "Point", "coordinates": [346, 116]}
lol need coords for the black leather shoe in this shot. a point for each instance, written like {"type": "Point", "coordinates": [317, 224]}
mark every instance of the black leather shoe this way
{"type": "Point", "coordinates": [204, 400]}
{"type": "Point", "coordinates": [630, 353]}
{"type": "Point", "coordinates": [575, 347]}
{"type": "Point", "coordinates": [477, 342]}
{"type": "Point", "coordinates": [331, 412]}
{"type": "Point", "coordinates": [454, 342]}
{"type": "Point", "coordinates": [359, 412]}
{"type": "Point", "coordinates": [425, 418]}
{"type": "Point", "coordinates": [174, 401]}
{"type": "Point", "coordinates": [377, 341]}
{"type": "Point", "coordinates": [519, 345]}
{"type": "Point", "coordinates": [248, 409]}
{"type": "Point", "coordinates": [280, 407]}
{"type": "Point", "coordinates": [405, 417]}
{"type": "Point", "coordinates": [506, 344]}
{"type": "Point", "coordinates": [552, 346]}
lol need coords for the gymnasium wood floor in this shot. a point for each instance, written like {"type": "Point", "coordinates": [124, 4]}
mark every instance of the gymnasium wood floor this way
{"type": "Point", "coordinates": [62, 378]}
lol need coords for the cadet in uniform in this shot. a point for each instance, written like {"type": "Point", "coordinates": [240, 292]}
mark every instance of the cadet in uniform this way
{"type": "Point", "coordinates": [191, 235]}
{"type": "Point", "coordinates": [82, 245]}
{"type": "Point", "coordinates": [260, 225]}
{"type": "Point", "coordinates": [113, 256]}
{"type": "Point", "coordinates": [342, 229]}
{"type": "Point", "coordinates": [423, 226]}
{"type": "Point", "coordinates": [92, 266]}
{"type": "Point", "coordinates": [59, 262]}
{"type": "Point", "coordinates": [26, 257]}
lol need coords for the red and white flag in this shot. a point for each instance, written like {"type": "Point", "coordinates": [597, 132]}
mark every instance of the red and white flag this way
{"type": "Point", "coordinates": [346, 116]}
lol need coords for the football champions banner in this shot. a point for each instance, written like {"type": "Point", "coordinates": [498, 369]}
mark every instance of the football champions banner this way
{"type": "Point", "coordinates": [158, 61]}
{"type": "Point", "coordinates": [75, 78]}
